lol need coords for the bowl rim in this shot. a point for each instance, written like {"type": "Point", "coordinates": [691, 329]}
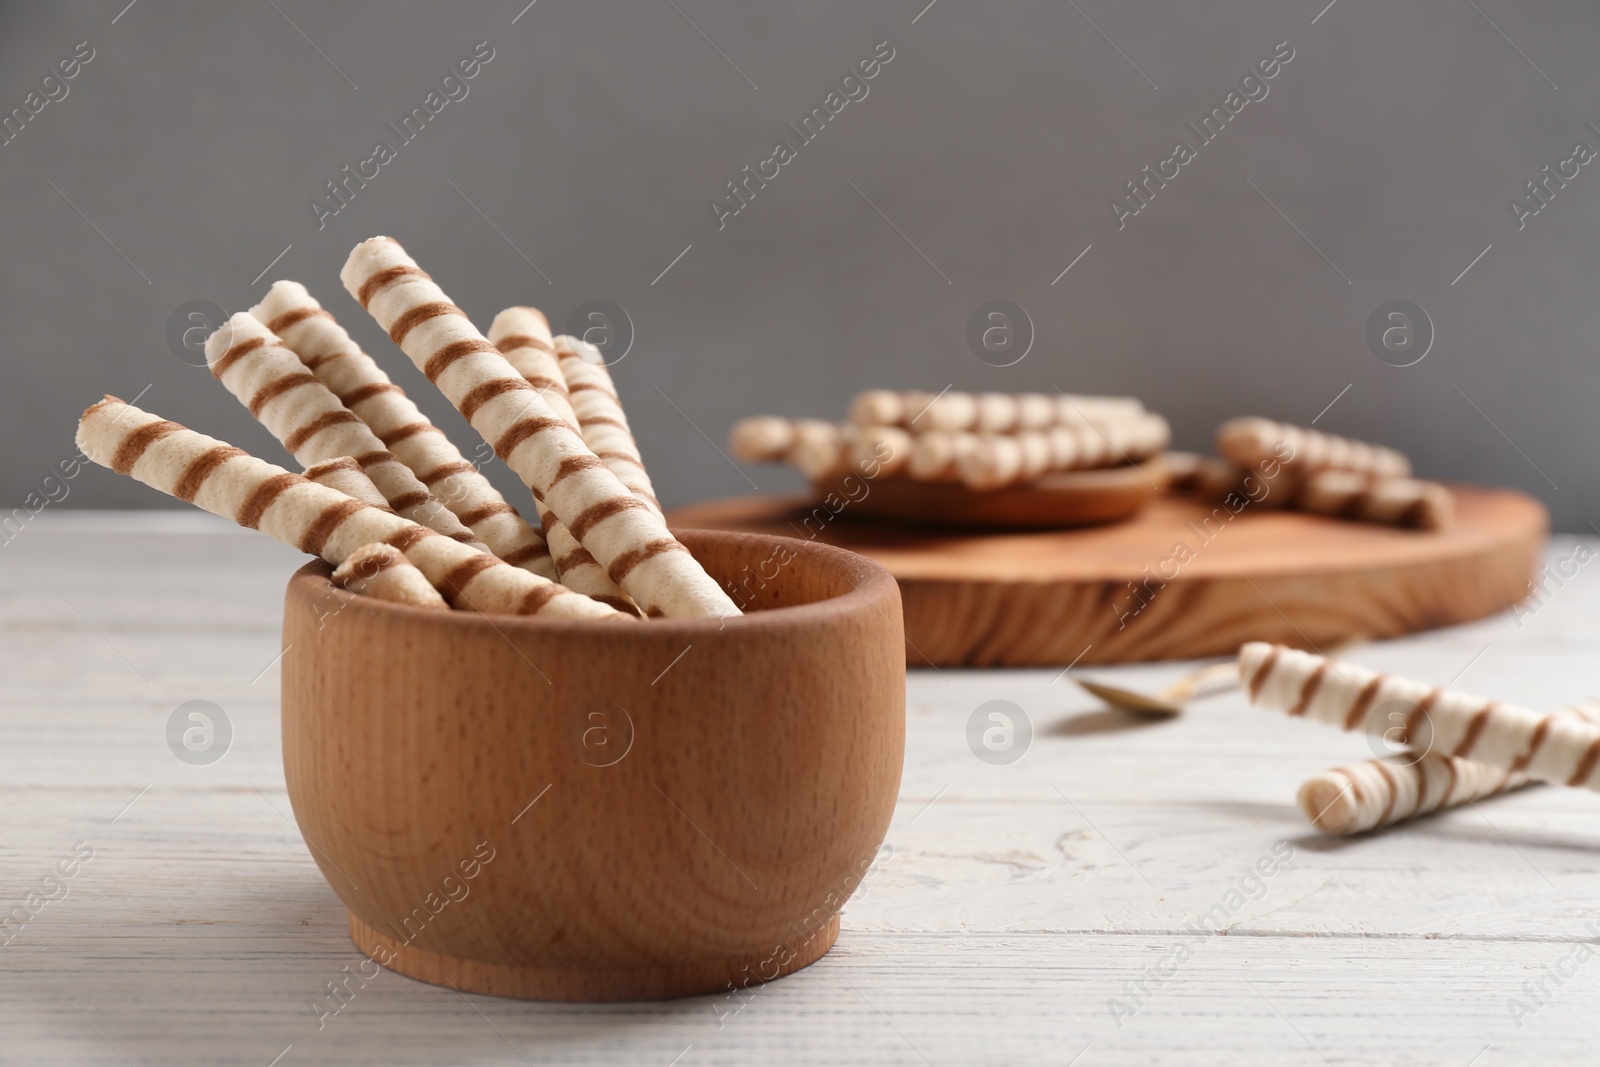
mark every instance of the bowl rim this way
{"type": "Point", "coordinates": [874, 588]}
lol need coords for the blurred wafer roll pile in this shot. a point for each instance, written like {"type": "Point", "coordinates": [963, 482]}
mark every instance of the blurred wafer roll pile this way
{"type": "Point", "coordinates": [1392, 501]}
{"type": "Point", "coordinates": [985, 441]}
{"type": "Point", "coordinates": [986, 412]}
{"type": "Point", "coordinates": [1207, 476]}
{"type": "Point", "coordinates": [1250, 441]}
{"type": "Point", "coordinates": [327, 351]}
{"type": "Point", "coordinates": [314, 518]}
{"type": "Point", "coordinates": [817, 449]}
{"type": "Point", "coordinates": [1276, 465]}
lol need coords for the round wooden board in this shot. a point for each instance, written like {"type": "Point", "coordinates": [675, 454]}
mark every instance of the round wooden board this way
{"type": "Point", "coordinates": [1057, 500]}
{"type": "Point", "coordinates": [1031, 599]}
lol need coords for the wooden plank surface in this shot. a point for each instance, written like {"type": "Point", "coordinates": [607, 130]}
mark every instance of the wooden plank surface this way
{"type": "Point", "coordinates": [1012, 918]}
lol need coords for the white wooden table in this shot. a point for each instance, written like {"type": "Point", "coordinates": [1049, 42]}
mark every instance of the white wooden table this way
{"type": "Point", "coordinates": [1017, 906]}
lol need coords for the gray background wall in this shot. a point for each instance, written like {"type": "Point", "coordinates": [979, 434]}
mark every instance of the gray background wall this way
{"type": "Point", "coordinates": [993, 141]}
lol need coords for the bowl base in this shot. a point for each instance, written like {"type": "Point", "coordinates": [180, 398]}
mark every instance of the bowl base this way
{"type": "Point", "coordinates": [550, 983]}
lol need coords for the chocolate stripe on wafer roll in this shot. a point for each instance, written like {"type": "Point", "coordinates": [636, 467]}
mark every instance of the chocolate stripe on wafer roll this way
{"type": "Point", "coordinates": [308, 330]}
{"type": "Point", "coordinates": [529, 348]}
{"type": "Point", "coordinates": [1551, 748]}
{"type": "Point", "coordinates": [383, 572]}
{"type": "Point", "coordinates": [633, 542]}
{"type": "Point", "coordinates": [1382, 792]}
{"type": "Point", "coordinates": [346, 475]}
{"type": "Point", "coordinates": [1390, 501]}
{"type": "Point", "coordinates": [313, 425]}
{"type": "Point", "coordinates": [1251, 442]}
{"type": "Point", "coordinates": [601, 420]}
{"type": "Point", "coordinates": [311, 517]}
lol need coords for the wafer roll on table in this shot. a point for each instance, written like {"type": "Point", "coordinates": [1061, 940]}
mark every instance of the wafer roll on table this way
{"type": "Point", "coordinates": [327, 351]}
{"type": "Point", "coordinates": [288, 507]}
{"type": "Point", "coordinates": [312, 424]}
{"type": "Point", "coordinates": [629, 539]}
{"type": "Point", "coordinates": [1387, 500]}
{"type": "Point", "coordinates": [1551, 748]}
{"type": "Point", "coordinates": [529, 348]}
{"type": "Point", "coordinates": [383, 572]}
{"type": "Point", "coordinates": [1353, 800]}
{"type": "Point", "coordinates": [1382, 792]}
{"type": "Point", "coordinates": [1251, 442]}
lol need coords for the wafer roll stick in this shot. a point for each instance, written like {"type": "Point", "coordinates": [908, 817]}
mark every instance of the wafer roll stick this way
{"type": "Point", "coordinates": [819, 450]}
{"type": "Point", "coordinates": [882, 451]}
{"type": "Point", "coordinates": [822, 451]}
{"type": "Point", "coordinates": [1353, 800]}
{"type": "Point", "coordinates": [522, 334]}
{"type": "Point", "coordinates": [952, 412]}
{"type": "Point", "coordinates": [290, 508]}
{"type": "Point", "coordinates": [601, 420]}
{"type": "Point", "coordinates": [1382, 792]}
{"type": "Point", "coordinates": [1251, 442]}
{"type": "Point", "coordinates": [361, 385]}
{"type": "Point", "coordinates": [1390, 501]}
{"type": "Point", "coordinates": [383, 572]}
{"type": "Point", "coordinates": [936, 457]}
{"type": "Point", "coordinates": [994, 461]}
{"type": "Point", "coordinates": [346, 475]}
{"type": "Point", "coordinates": [619, 530]}
{"type": "Point", "coordinates": [312, 424]}
{"type": "Point", "coordinates": [1204, 476]}
{"type": "Point", "coordinates": [1551, 748]}
{"type": "Point", "coordinates": [761, 438]}
{"type": "Point", "coordinates": [531, 350]}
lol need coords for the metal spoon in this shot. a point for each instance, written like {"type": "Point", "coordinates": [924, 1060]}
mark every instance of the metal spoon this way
{"type": "Point", "coordinates": [1168, 700]}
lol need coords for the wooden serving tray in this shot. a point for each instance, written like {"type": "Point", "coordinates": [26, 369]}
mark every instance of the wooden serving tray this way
{"type": "Point", "coordinates": [1029, 599]}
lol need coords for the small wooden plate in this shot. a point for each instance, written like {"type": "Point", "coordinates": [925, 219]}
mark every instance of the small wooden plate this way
{"type": "Point", "coordinates": [1056, 501]}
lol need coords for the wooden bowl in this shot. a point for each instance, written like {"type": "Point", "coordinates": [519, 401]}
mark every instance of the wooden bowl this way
{"type": "Point", "coordinates": [601, 810]}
